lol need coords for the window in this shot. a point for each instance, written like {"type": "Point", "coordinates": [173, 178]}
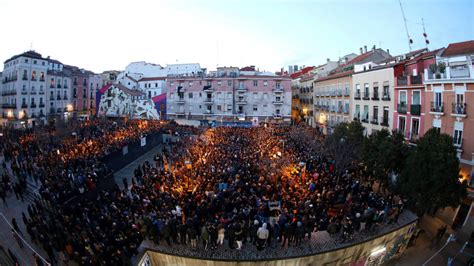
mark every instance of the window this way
{"type": "Point", "coordinates": [33, 75]}
{"type": "Point", "coordinates": [255, 83]}
{"type": "Point", "coordinates": [84, 82]}
{"type": "Point", "coordinates": [229, 95]}
{"type": "Point", "coordinates": [208, 83]}
{"type": "Point", "coordinates": [219, 108]}
{"type": "Point", "coordinates": [219, 83]}
{"type": "Point", "coordinates": [366, 91]}
{"type": "Point", "coordinates": [255, 109]}
{"type": "Point", "coordinates": [255, 95]}
{"type": "Point", "coordinates": [229, 82]}
{"type": "Point", "coordinates": [365, 116]}
{"type": "Point", "coordinates": [219, 96]}
{"type": "Point", "coordinates": [401, 124]}
{"type": "Point", "coordinates": [190, 83]}
{"type": "Point", "coordinates": [357, 91]}
{"type": "Point", "coordinates": [265, 95]}
{"type": "Point", "coordinates": [457, 138]}
{"type": "Point", "coordinates": [171, 83]}
{"type": "Point", "coordinates": [241, 84]}
{"type": "Point", "coordinates": [415, 128]}
{"type": "Point", "coordinates": [375, 114]}
{"type": "Point", "coordinates": [278, 85]}
{"type": "Point", "coordinates": [42, 76]}
{"type": "Point", "coordinates": [229, 107]}
{"type": "Point", "coordinates": [416, 98]}
{"type": "Point", "coordinates": [403, 98]}
{"type": "Point", "coordinates": [25, 74]}
{"type": "Point", "coordinates": [265, 83]}
{"type": "Point", "coordinates": [376, 91]}
{"type": "Point", "coordinates": [386, 92]}
{"type": "Point", "coordinates": [190, 95]}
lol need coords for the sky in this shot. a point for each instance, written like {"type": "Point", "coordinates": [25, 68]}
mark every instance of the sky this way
{"type": "Point", "coordinates": [107, 35]}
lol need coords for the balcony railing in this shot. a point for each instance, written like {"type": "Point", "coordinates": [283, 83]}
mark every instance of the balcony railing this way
{"type": "Point", "coordinates": [24, 92]}
{"type": "Point", "coordinates": [24, 105]}
{"type": "Point", "coordinates": [357, 117]}
{"type": "Point", "coordinates": [41, 105]}
{"type": "Point", "coordinates": [51, 86]}
{"type": "Point", "coordinates": [51, 98]}
{"type": "Point", "coordinates": [386, 97]}
{"type": "Point", "coordinates": [9, 106]}
{"type": "Point", "coordinates": [413, 137]}
{"type": "Point", "coordinates": [33, 105]}
{"type": "Point", "coordinates": [457, 142]}
{"type": "Point", "coordinates": [365, 119]}
{"type": "Point", "coordinates": [415, 109]}
{"type": "Point", "coordinates": [376, 96]}
{"type": "Point", "coordinates": [357, 96]}
{"type": "Point", "coordinates": [6, 79]}
{"type": "Point", "coordinates": [41, 92]}
{"type": "Point", "coordinates": [437, 107]}
{"type": "Point", "coordinates": [374, 120]}
{"type": "Point", "coordinates": [25, 78]}
{"type": "Point", "coordinates": [459, 109]}
{"type": "Point", "coordinates": [58, 86]}
{"type": "Point", "coordinates": [384, 121]}
{"type": "Point", "coordinates": [275, 89]}
{"type": "Point", "coordinates": [9, 93]}
{"type": "Point", "coordinates": [416, 80]}
{"type": "Point", "coordinates": [402, 108]}
{"type": "Point", "coordinates": [401, 81]}
{"type": "Point", "coordinates": [366, 96]}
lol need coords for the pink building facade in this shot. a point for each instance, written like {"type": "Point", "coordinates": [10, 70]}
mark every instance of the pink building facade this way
{"type": "Point", "coordinates": [243, 97]}
{"type": "Point", "coordinates": [410, 110]}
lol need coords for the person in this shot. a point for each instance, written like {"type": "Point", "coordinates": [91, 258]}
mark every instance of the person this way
{"type": "Point", "coordinates": [238, 235]}
{"type": "Point", "coordinates": [253, 232]}
{"type": "Point", "coordinates": [220, 234]}
{"type": "Point", "coordinates": [299, 233]}
{"type": "Point", "coordinates": [205, 237]}
{"type": "Point", "coordinates": [192, 234]}
{"type": "Point", "coordinates": [262, 235]}
{"type": "Point", "coordinates": [15, 226]}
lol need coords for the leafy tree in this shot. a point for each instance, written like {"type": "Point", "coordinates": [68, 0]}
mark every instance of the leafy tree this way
{"type": "Point", "coordinates": [430, 178]}
{"type": "Point", "coordinates": [345, 145]}
{"type": "Point", "coordinates": [383, 154]}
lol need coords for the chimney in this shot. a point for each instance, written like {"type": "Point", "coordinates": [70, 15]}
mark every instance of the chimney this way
{"type": "Point", "coordinates": [346, 60]}
{"type": "Point", "coordinates": [388, 51]}
{"type": "Point", "coordinates": [361, 51]}
{"type": "Point", "coordinates": [327, 60]}
{"type": "Point", "coordinates": [373, 48]}
{"type": "Point", "coordinates": [365, 48]}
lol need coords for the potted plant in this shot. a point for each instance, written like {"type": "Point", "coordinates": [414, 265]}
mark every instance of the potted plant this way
{"type": "Point", "coordinates": [433, 68]}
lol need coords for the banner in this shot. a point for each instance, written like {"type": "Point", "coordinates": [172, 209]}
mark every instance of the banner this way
{"type": "Point", "coordinates": [143, 141]}
{"type": "Point", "coordinates": [274, 205]}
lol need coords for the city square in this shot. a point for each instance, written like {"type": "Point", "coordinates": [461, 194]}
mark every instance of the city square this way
{"type": "Point", "coordinates": [276, 147]}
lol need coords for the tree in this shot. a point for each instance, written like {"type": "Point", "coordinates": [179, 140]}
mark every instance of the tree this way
{"type": "Point", "coordinates": [430, 178]}
{"type": "Point", "coordinates": [383, 154]}
{"type": "Point", "coordinates": [345, 145]}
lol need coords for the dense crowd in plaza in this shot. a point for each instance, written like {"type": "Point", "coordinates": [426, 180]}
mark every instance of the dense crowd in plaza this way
{"type": "Point", "coordinates": [232, 187]}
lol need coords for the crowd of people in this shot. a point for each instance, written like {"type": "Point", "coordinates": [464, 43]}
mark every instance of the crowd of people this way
{"type": "Point", "coordinates": [232, 187]}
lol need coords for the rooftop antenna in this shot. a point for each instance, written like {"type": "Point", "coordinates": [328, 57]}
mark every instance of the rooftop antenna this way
{"type": "Point", "coordinates": [410, 41]}
{"type": "Point", "coordinates": [424, 33]}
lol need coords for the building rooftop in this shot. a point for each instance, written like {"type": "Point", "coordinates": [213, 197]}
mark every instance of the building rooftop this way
{"type": "Point", "coordinates": [29, 54]}
{"type": "Point", "coordinates": [459, 48]}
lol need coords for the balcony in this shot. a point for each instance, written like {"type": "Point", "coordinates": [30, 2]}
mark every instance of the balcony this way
{"type": "Point", "coordinates": [51, 98]}
{"type": "Point", "coordinates": [402, 81]}
{"type": "Point", "coordinates": [180, 100]}
{"type": "Point", "coordinates": [65, 86]}
{"type": "Point", "coordinates": [41, 92]}
{"type": "Point", "coordinates": [24, 105]}
{"type": "Point", "coordinates": [366, 96]}
{"type": "Point", "coordinates": [357, 117]}
{"type": "Point", "coordinates": [402, 108]}
{"type": "Point", "coordinates": [208, 88]}
{"type": "Point", "coordinates": [437, 108]}
{"type": "Point", "coordinates": [457, 142]}
{"type": "Point", "coordinates": [278, 90]}
{"type": "Point", "coordinates": [52, 111]}
{"type": "Point", "coordinates": [42, 79]}
{"type": "Point", "coordinates": [413, 137]}
{"type": "Point", "coordinates": [375, 97]}
{"type": "Point", "coordinates": [415, 109]}
{"type": "Point", "coordinates": [374, 120]}
{"type": "Point", "coordinates": [9, 93]}
{"type": "Point", "coordinates": [58, 86]}
{"type": "Point", "coordinates": [65, 97]}
{"type": "Point", "coordinates": [241, 89]}
{"type": "Point", "coordinates": [277, 102]}
{"type": "Point", "coordinates": [59, 110]}
{"type": "Point", "coordinates": [416, 80]}
{"type": "Point", "coordinates": [24, 92]}
{"type": "Point", "coordinates": [33, 92]}
{"type": "Point", "coordinates": [386, 97]}
{"type": "Point", "coordinates": [384, 121]}
{"type": "Point", "coordinates": [41, 105]}
{"type": "Point", "coordinates": [207, 112]}
{"type": "Point", "coordinates": [6, 79]}
{"type": "Point", "coordinates": [277, 116]}
{"type": "Point", "coordinates": [25, 78]}
{"type": "Point", "coordinates": [240, 101]}
{"type": "Point", "coordinates": [51, 86]}
{"type": "Point", "coordinates": [459, 110]}
{"type": "Point", "coordinates": [33, 105]}
{"type": "Point", "coordinates": [58, 97]}
{"type": "Point", "coordinates": [345, 110]}
{"type": "Point", "coordinates": [357, 96]}
{"type": "Point", "coordinates": [208, 101]}
{"type": "Point", "coordinates": [346, 92]}
{"type": "Point", "coordinates": [365, 119]}
{"type": "Point", "coordinates": [9, 106]}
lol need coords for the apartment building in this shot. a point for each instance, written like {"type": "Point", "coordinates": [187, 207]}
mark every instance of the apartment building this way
{"type": "Point", "coordinates": [332, 94]}
{"type": "Point", "coordinates": [230, 96]}
{"type": "Point", "coordinates": [409, 110]}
